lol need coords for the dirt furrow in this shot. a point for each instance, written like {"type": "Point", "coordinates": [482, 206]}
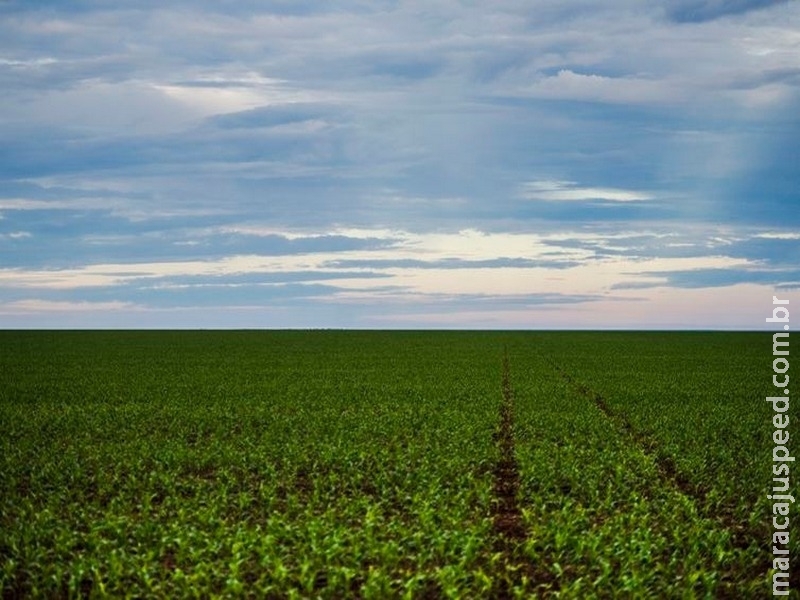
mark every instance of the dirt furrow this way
{"type": "Point", "coordinates": [742, 536]}
{"type": "Point", "coordinates": [508, 523]}
{"type": "Point", "coordinates": [507, 516]}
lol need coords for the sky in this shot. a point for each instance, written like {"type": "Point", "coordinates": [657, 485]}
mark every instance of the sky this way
{"type": "Point", "coordinates": [511, 164]}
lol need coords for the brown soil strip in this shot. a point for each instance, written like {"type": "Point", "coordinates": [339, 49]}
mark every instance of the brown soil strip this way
{"type": "Point", "coordinates": [508, 524]}
{"type": "Point", "coordinates": [507, 515]}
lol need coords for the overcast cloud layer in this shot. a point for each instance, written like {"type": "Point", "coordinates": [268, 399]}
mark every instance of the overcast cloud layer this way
{"type": "Point", "coordinates": [399, 164]}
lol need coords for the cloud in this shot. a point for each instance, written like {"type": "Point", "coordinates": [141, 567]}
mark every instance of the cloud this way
{"type": "Point", "coordinates": [230, 93]}
{"type": "Point", "coordinates": [9, 204]}
{"type": "Point", "coordinates": [305, 253]}
{"type": "Point", "coordinates": [779, 235]}
{"type": "Point", "coordinates": [334, 162]}
{"type": "Point", "coordinates": [569, 191]}
{"type": "Point", "coordinates": [427, 269]}
{"type": "Point", "coordinates": [706, 278]}
{"type": "Point", "coordinates": [15, 235]}
{"type": "Point", "coordinates": [569, 85]}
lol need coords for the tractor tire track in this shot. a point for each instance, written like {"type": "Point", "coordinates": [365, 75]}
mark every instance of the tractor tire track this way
{"type": "Point", "coordinates": [507, 519]}
{"type": "Point", "coordinates": [508, 524]}
{"type": "Point", "coordinates": [742, 535]}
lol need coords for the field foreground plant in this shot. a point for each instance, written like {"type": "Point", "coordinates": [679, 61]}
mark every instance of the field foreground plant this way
{"type": "Point", "coordinates": [379, 465]}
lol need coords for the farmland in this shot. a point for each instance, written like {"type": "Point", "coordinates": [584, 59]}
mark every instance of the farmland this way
{"type": "Point", "coordinates": [332, 464]}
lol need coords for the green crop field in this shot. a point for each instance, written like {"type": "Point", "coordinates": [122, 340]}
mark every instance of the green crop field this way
{"type": "Point", "coordinates": [348, 464]}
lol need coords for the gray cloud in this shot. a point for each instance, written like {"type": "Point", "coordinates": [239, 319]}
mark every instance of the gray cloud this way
{"type": "Point", "coordinates": [704, 278]}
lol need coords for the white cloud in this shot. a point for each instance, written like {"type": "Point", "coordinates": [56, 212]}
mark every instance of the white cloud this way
{"type": "Point", "coordinates": [33, 63]}
{"type": "Point", "coordinates": [579, 271]}
{"type": "Point", "coordinates": [298, 234]}
{"type": "Point", "coordinates": [228, 93]}
{"type": "Point", "coordinates": [569, 191]}
{"type": "Point", "coordinates": [15, 235]}
{"type": "Point", "coordinates": [568, 85]}
{"type": "Point", "coordinates": [779, 235]}
{"type": "Point", "coordinates": [64, 204]}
